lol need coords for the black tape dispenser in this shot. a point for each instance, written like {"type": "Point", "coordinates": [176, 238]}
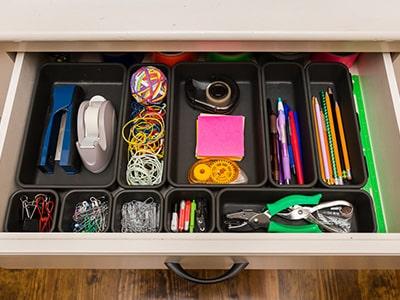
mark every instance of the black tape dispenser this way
{"type": "Point", "coordinates": [219, 95]}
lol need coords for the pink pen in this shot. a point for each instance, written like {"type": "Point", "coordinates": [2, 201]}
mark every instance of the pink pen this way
{"type": "Point", "coordinates": [281, 126]}
{"type": "Point", "coordinates": [322, 140]}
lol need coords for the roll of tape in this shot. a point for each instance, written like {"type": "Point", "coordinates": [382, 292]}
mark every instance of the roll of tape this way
{"type": "Point", "coordinates": [219, 93]}
{"type": "Point", "coordinates": [172, 58]}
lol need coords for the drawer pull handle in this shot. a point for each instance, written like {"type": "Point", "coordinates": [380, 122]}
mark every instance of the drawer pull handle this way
{"type": "Point", "coordinates": [181, 272]}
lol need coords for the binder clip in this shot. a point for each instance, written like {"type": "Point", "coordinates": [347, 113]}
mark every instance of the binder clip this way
{"type": "Point", "coordinates": [60, 133]}
{"type": "Point", "coordinates": [96, 131]}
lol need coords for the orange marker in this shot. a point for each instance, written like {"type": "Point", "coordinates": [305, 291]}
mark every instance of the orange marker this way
{"type": "Point", "coordinates": [335, 146]}
{"type": "Point", "coordinates": [321, 166]}
{"type": "Point", "coordinates": [343, 140]}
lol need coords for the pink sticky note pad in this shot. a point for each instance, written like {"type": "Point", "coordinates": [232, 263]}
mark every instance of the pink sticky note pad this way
{"type": "Point", "coordinates": [220, 136]}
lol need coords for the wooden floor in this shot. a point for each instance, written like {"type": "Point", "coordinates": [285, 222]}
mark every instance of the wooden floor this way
{"type": "Point", "coordinates": [135, 284]}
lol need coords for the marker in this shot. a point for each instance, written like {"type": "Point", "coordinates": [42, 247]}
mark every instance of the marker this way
{"type": "Point", "coordinates": [192, 216]}
{"type": "Point", "coordinates": [281, 125]}
{"type": "Point", "coordinates": [289, 139]}
{"type": "Point", "coordinates": [181, 222]}
{"type": "Point", "coordinates": [187, 215]}
{"type": "Point", "coordinates": [273, 142]}
{"type": "Point", "coordinates": [296, 151]}
{"type": "Point", "coordinates": [174, 220]}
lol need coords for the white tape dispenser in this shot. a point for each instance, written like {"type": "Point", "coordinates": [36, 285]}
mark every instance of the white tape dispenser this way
{"type": "Point", "coordinates": [96, 131]}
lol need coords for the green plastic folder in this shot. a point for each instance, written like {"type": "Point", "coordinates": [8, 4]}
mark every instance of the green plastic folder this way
{"type": "Point", "coordinates": [372, 186]}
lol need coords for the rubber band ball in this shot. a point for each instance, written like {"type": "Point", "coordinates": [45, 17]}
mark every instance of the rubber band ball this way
{"type": "Point", "coordinates": [149, 85]}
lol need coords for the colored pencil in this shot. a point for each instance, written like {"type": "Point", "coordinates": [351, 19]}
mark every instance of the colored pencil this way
{"type": "Point", "coordinates": [343, 141]}
{"type": "Point", "coordinates": [331, 178]}
{"type": "Point", "coordinates": [317, 134]}
{"type": "Point", "coordinates": [334, 140]}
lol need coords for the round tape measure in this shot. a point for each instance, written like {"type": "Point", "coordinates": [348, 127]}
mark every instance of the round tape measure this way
{"type": "Point", "coordinates": [214, 171]}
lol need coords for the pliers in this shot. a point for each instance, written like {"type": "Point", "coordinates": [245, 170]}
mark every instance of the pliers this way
{"type": "Point", "coordinates": [290, 208]}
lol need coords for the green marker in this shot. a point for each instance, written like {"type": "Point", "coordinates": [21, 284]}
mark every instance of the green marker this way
{"type": "Point", "coordinates": [192, 216]}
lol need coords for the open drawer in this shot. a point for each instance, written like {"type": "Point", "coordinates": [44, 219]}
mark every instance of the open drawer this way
{"type": "Point", "coordinates": [214, 250]}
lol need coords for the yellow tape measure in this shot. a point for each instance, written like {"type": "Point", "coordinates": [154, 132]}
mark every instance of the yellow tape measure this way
{"type": "Point", "coordinates": [214, 171]}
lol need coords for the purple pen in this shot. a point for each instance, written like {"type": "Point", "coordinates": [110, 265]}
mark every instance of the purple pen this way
{"type": "Point", "coordinates": [281, 126]}
{"type": "Point", "coordinates": [278, 152]}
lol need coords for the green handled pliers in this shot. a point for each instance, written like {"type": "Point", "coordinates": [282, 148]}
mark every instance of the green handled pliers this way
{"type": "Point", "coordinates": [257, 220]}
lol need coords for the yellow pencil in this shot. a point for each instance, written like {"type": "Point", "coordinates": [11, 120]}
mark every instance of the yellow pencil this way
{"type": "Point", "coordinates": [321, 166]}
{"type": "Point", "coordinates": [343, 140]}
{"type": "Point", "coordinates": [333, 133]}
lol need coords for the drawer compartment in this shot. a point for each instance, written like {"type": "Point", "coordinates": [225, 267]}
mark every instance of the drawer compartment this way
{"type": "Point", "coordinates": [93, 79]}
{"type": "Point", "coordinates": [183, 121]}
{"type": "Point", "coordinates": [129, 112]}
{"type": "Point", "coordinates": [87, 204]}
{"type": "Point", "coordinates": [320, 77]}
{"type": "Point", "coordinates": [234, 200]}
{"type": "Point", "coordinates": [150, 250]}
{"type": "Point", "coordinates": [287, 81]}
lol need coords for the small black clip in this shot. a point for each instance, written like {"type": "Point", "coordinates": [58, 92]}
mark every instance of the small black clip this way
{"type": "Point", "coordinates": [201, 215]}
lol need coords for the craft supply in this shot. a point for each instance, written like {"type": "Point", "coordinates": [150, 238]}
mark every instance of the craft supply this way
{"type": "Point", "coordinates": [174, 220]}
{"type": "Point", "coordinates": [172, 58]}
{"type": "Point", "coordinates": [289, 138]}
{"type": "Point", "coordinates": [341, 134]}
{"type": "Point", "coordinates": [149, 85]}
{"type": "Point", "coordinates": [342, 172]}
{"type": "Point", "coordinates": [216, 171]}
{"type": "Point", "coordinates": [96, 130]}
{"type": "Point", "coordinates": [296, 120]}
{"type": "Point", "coordinates": [187, 215]}
{"type": "Point", "coordinates": [335, 169]}
{"type": "Point", "coordinates": [145, 144]}
{"type": "Point", "coordinates": [285, 137]}
{"type": "Point", "coordinates": [331, 216]}
{"type": "Point", "coordinates": [296, 149]}
{"type": "Point", "coordinates": [220, 136]}
{"type": "Point", "coordinates": [334, 141]}
{"type": "Point", "coordinates": [192, 216]}
{"type": "Point", "coordinates": [322, 159]}
{"type": "Point", "coordinates": [201, 215]}
{"type": "Point", "coordinates": [58, 144]}
{"type": "Point", "coordinates": [37, 212]}
{"type": "Point", "coordinates": [281, 126]}
{"type": "Point", "coordinates": [332, 180]}
{"type": "Point", "coordinates": [181, 222]}
{"type": "Point", "coordinates": [91, 215]}
{"type": "Point", "coordinates": [273, 142]}
{"type": "Point", "coordinates": [140, 216]}
{"type": "Point", "coordinates": [218, 95]}
{"type": "Point", "coordinates": [330, 139]}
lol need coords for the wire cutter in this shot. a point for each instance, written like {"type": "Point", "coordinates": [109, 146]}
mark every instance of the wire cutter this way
{"type": "Point", "coordinates": [257, 220]}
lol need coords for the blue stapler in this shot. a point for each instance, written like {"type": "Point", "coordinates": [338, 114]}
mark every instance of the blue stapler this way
{"type": "Point", "coordinates": [63, 113]}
